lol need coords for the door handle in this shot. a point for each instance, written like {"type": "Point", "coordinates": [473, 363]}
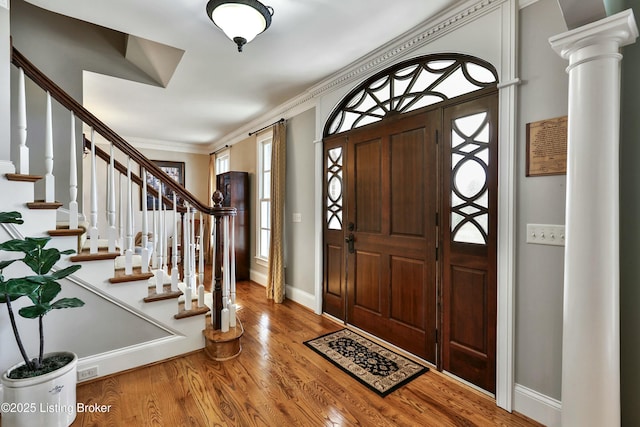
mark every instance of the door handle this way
{"type": "Point", "coordinates": [350, 241]}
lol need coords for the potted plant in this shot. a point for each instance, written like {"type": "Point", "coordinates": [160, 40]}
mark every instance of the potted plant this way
{"type": "Point", "coordinates": [39, 390]}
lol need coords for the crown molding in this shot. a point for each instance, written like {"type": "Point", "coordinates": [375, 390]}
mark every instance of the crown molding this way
{"type": "Point", "coordinates": [179, 147]}
{"type": "Point", "coordinates": [435, 27]}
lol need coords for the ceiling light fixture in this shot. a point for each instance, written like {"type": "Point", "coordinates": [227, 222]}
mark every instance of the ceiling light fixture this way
{"type": "Point", "coordinates": [241, 20]}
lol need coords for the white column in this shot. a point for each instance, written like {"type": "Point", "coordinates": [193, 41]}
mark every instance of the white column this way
{"type": "Point", "coordinates": [144, 251]}
{"type": "Point", "coordinates": [6, 166]}
{"type": "Point", "coordinates": [591, 327]}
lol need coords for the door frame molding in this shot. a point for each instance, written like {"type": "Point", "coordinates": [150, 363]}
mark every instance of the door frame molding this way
{"type": "Point", "coordinates": [507, 69]}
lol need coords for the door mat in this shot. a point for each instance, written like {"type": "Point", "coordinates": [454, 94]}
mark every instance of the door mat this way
{"type": "Point", "coordinates": [380, 369]}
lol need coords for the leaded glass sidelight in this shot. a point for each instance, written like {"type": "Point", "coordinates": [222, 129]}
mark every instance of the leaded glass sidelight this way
{"type": "Point", "coordinates": [469, 169]}
{"type": "Point", "coordinates": [409, 86]}
{"type": "Point", "coordinates": [334, 188]}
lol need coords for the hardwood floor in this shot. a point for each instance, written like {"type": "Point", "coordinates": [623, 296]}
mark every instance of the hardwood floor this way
{"type": "Point", "coordinates": [278, 381]}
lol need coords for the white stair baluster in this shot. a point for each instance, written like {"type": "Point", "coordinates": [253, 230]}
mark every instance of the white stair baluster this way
{"type": "Point", "coordinates": [121, 216]}
{"type": "Point", "coordinates": [193, 252]}
{"type": "Point", "coordinates": [49, 179]}
{"type": "Point", "coordinates": [175, 274]}
{"type": "Point", "coordinates": [154, 217]}
{"type": "Point", "coordinates": [112, 234]}
{"type": "Point", "coordinates": [93, 231]}
{"type": "Point", "coordinates": [224, 315]}
{"type": "Point", "coordinates": [232, 272]}
{"type": "Point", "coordinates": [144, 252]}
{"type": "Point", "coordinates": [200, 252]}
{"type": "Point", "coordinates": [128, 253]}
{"type": "Point", "coordinates": [73, 177]}
{"type": "Point", "coordinates": [23, 159]}
{"type": "Point", "coordinates": [186, 252]}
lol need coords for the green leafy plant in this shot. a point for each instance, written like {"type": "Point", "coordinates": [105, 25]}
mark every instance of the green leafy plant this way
{"type": "Point", "coordinates": [41, 288]}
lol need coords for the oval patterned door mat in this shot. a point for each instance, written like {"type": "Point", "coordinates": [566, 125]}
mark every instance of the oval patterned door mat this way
{"type": "Point", "coordinates": [378, 368]}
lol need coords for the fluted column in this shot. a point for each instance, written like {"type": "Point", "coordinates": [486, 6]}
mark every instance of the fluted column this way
{"type": "Point", "coordinates": [591, 327]}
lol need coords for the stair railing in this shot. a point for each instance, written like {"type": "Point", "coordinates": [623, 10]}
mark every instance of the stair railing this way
{"type": "Point", "coordinates": [183, 202]}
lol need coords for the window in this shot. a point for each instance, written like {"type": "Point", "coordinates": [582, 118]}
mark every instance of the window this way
{"type": "Point", "coordinates": [222, 162]}
{"type": "Point", "coordinates": [263, 237]}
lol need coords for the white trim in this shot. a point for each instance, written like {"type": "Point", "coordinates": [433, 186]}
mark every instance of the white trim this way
{"type": "Point", "coordinates": [122, 359]}
{"type": "Point", "coordinates": [319, 218]}
{"type": "Point", "coordinates": [258, 277]}
{"type": "Point", "coordinates": [6, 166]}
{"type": "Point", "coordinates": [524, 3]}
{"type": "Point", "coordinates": [301, 297]}
{"type": "Point", "coordinates": [537, 406]}
{"type": "Point", "coordinates": [179, 147]}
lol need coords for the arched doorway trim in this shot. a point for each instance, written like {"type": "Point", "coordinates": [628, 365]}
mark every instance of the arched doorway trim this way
{"type": "Point", "coordinates": [408, 86]}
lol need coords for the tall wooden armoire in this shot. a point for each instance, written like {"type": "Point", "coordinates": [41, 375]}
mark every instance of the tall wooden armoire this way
{"type": "Point", "coordinates": [235, 189]}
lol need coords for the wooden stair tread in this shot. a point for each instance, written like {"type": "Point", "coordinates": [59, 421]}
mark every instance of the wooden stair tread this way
{"type": "Point", "coordinates": [23, 178]}
{"type": "Point", "coordinates": [66, 232]}
{"type": "Point", "coordinates": [41, 204]}
{"type": "Point", "coordinates": [86, 256]}
{"type": "Point", "coordinates": [221, 346]}
{"type": "Point", "coordinates": [195, 311]}
{"type": "Point", "coordinates": [120, 277]}
{"type": "Point", "coordinates": [166, 294]}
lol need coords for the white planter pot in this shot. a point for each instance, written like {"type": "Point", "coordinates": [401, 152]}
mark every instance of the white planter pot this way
{"type": "Point", "coordinates": [47, 400]}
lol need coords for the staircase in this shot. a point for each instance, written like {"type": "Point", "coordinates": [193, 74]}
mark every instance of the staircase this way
{"type": "Point", "coordinates": [138, 310]}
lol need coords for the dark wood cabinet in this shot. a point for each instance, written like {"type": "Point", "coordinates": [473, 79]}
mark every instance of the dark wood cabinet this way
{"type": "Point", "coordinates": [235, 189]}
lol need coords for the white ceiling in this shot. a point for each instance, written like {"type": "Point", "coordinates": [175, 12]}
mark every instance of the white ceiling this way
{"type": "Point", "coordinates": [214, 89]}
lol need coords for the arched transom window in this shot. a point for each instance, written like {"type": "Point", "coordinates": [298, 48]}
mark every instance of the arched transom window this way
{"type": "Point", "coordinates": [409, 86]}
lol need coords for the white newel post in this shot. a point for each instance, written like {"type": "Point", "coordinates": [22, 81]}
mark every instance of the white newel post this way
{"type": "Point", "coordinates": [73, 177]}
{"type": "Point", "coordinates": [49, 179]}
{"type": "Point", "coordinates": [591, 326]}
{"type": "Point", "coordinates": [23, 153]}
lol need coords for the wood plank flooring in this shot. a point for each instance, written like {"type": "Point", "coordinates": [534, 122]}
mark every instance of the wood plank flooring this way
{"type": "Point", "coordinates": [278, 381]}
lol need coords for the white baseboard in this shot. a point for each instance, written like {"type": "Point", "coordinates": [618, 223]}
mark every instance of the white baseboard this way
{"type": "Point", "coordinates": [301, 297]}
{"type": "Point", "coordinates": [123, 359]}
{"type": "Point", "coordinates": [258, 277]}
{"type": "Point", "coordinates": [294, 294]}
{"type": "Point", "coordinates": [537, 406]}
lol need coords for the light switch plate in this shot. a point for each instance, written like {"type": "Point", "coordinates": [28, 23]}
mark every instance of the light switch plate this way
{"type": "Point", "coordinates": [545, 234]}
{"type": "Point", "coordinates": [297, 217]}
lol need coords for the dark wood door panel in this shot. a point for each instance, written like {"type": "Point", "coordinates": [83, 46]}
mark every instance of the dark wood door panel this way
{"type": "Point", "coordinates": [469, 240]}
{"type": "Point", "coordinates": [408, 292]}
{"type": "Point", "coordinates": [408, 183]}
{"type": "Point", "coordinates": [368, 274]}
{"type": "Point", "coordinates": [334, 264]}
{"type": "Point", "coordinates": [367, 179]}
{"type": "Point", "coordinates": [468, 294]}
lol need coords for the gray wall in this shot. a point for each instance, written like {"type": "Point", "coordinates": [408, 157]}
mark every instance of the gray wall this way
{"type": "Point", "coordinates": [629, 230]}
{"type": "Point", "coordinates": [541, 200]}
{"type": "Point", "coordinates": [299, 236]}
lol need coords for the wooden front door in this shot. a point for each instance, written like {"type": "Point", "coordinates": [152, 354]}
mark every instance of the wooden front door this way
{"type": "Point", "coordinates": [388, 242]}
{"type": "Point", "coordinates": [410, 233]}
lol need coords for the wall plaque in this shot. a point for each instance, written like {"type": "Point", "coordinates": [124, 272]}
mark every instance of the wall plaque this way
{"type": "Point", "coordinates": [547, 147]}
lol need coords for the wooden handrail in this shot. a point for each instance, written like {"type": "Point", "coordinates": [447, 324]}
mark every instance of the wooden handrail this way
{"type": "Point", "coordinates": [39, 78]}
